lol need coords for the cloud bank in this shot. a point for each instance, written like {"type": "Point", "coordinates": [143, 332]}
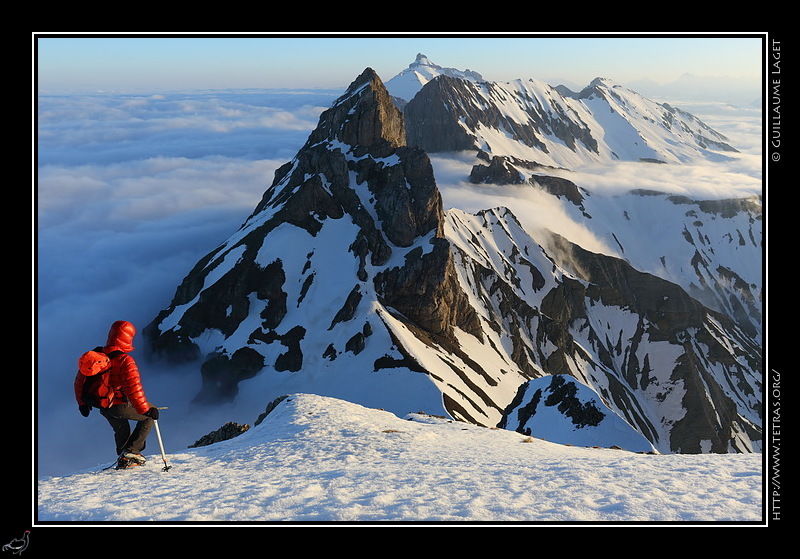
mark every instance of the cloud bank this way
{"type": "Point", "coordinates": [130, 192]}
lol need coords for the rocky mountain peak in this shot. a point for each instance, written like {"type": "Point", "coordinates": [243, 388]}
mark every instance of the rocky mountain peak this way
{"type": "Point", "coordinates": [421, 60]}
{"type": "Point", "coordinates": [405, 85]}
{"type": "Point", "coordinates": [377, 124]}
{"type": "Point", "coordinates": [352, 223]}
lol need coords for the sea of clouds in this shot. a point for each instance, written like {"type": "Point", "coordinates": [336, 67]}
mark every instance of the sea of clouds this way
{"type": "Point", "coordinates": [130, 191]}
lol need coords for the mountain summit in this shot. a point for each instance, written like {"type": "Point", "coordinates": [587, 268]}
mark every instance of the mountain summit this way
{"type": "Point", "coordinates": [376, 125]}
{"type": "Point", "coordinates": [407, 83]}
{"type": "Point", "coordinates": [351, 280]}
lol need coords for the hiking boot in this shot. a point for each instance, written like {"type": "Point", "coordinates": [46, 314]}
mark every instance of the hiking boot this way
{"type": "Point", "coordinates": [125, 463]}
{"type": "Point", "coordinates": [134, 457]}
{"type": "Point", "coordinates": [129, 460]}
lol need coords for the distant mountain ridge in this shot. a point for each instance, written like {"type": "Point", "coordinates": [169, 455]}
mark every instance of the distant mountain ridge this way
{"type": "Point", "coordinates": [351, 280]}
{"type": "Point", "coordinates": [526, 131]}
{"type": "Point", "coordinates": [405, 85]}
{"type": "Point", "coordinates": [532, 122]}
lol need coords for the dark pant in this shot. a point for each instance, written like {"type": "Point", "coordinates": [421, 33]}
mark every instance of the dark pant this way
{"type": "Point", "coordinates": [118, 417]}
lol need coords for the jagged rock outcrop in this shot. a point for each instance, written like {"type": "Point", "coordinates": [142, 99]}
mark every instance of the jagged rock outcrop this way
{"type": "Point", "coordinates": [224, 433]}
{"type": "Point", "coordinates": [364, 118]}
{"type": "Point", "coordinates": [503, 170]}
{"type": "Point", "coordinates": [711, 350]}
{"type": "Point", "coordinates": [498, 171]}
{"type": "Point", "coordinates": [430, 123]}
{"type": "Point", "coordinates": [448, 114]}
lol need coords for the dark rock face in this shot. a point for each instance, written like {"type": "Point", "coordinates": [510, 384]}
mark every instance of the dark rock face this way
{"type": "Point", "coordinates": [503, 170]}
{"type": "Point", "coordinates": [222, 305]}
{"type": "Point", "coordinates": [224, 433]}
{"type": "Point", "coordinates": [445, 111]}
{"type": "Point", "coordinates": [560, 187]}
{"type": "Point", "coordinates": [425, 290]}
{"type": "Point", "coordinates": [405, 213]}
{"type": "Point", "coordinates": [452, 114]}
{"type": "Point", "coordinates": [364, 117]}
{"type": "Point", "coordinates": [558, 408]}
{"type": "Point", "coordinates": [499, 171]}
{"type": "Point", "coordinates": [430, 124]}
{"type": "Point", "coordinates": [562, 395]}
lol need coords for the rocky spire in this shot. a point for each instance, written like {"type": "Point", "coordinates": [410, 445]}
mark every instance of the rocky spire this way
{"type": "Point", "coordinates": [376, 125]}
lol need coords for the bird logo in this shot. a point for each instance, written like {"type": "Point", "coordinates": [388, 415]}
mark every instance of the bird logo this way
{"type": "Point", "coordinates": [18, 545]}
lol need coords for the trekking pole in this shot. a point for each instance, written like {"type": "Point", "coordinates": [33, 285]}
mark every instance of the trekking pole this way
{"type": "Point", "coordinates": [161, 444]}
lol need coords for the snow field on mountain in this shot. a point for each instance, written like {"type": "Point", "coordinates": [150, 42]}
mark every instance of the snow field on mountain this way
{"type": "Point", "coordinates": [317, 459]}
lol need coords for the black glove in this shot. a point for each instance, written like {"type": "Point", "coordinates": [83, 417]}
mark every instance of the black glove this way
{"type": "Point", "coordinates": [84, 409]}
{"type": "Point", "coordinates": [152, 413]}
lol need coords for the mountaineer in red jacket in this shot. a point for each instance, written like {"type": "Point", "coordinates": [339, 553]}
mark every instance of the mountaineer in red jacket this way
{"type": "Point", "coordinates": [128, 401]}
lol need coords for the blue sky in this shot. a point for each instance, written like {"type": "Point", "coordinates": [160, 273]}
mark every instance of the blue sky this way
{"type": "Point", "coordinates": [179, 62]}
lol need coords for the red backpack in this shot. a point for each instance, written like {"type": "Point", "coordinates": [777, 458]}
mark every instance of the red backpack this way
{"type": "Point", "coordinates": [96, 366]}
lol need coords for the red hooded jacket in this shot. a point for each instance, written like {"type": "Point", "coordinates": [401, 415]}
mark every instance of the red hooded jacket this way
{"type": "Point", "coordinates": [124, 372]}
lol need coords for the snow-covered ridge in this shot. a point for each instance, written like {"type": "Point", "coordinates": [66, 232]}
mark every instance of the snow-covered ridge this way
{"type": "Point", "coordinates": [408, 82]}
{"type": "Point", "coordinates": [315, 459]}
{"type": "Point", "coordinates": [531, 121]}
{"type": "Point", "coordinates": [521, 284]}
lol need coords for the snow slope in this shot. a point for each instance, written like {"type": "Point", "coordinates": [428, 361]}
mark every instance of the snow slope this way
{"type": "Point", "coordinates": [318, 459]}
